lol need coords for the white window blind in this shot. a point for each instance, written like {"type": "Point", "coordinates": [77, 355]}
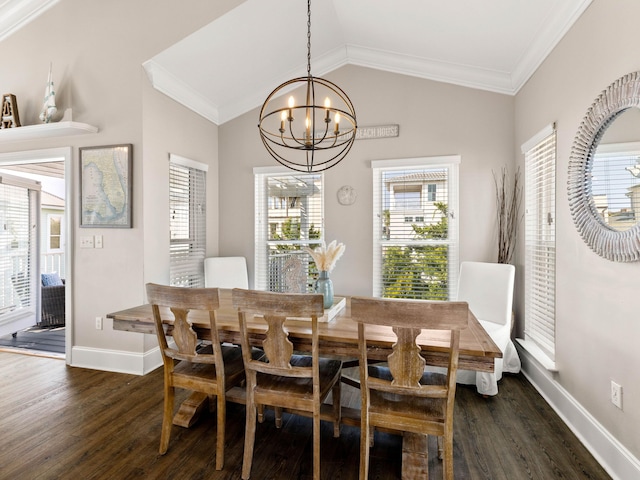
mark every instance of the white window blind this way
{"type": "Point", "coordinates": [187, 222]}
{"type": "Point", "coordinates": [415, 228]}
{"type": "Point", "coordinates": [540, 240]}
{"type": "Point", "coordinates": [288, 216]}
{"type": "Point", "coordinates": [19, 260]}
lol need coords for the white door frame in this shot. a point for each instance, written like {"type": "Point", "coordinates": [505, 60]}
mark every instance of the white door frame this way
{"type": "Point", "coordinates": [49, 155]}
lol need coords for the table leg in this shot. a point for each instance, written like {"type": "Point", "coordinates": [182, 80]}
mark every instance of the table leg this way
{"type": "Point", "coordinates": [190, 410]}
{"type": "Point", "coordinates": [415, 456]}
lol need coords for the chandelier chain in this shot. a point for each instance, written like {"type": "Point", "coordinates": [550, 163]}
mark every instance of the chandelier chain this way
{"type": "Point", "coordinates": [309, 38]}
{"type": "Point", "coordinates": [306, 136]}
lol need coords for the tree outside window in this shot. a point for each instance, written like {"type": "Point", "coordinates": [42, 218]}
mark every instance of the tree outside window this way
{"type": "Point", "coordinates": [416, 228]}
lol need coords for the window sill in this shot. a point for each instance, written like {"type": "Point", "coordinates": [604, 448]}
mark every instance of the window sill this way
{"type": "Point", "coordinates": [537, 353]}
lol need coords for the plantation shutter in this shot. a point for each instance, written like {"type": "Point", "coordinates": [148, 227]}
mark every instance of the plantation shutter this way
{"type": "Point", "coordinates": [288, 216]}
{"type": "Point", "coordinates": [540, 236]}
{"type": "Point", "coordinates": [415, 228]}
{"type": "Point", "coordinates": [187, 221]}
{"type": "Point", "coordinates": [19, 262]}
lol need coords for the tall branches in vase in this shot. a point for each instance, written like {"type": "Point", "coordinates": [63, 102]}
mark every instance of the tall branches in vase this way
{"type": "Point", "coordinates": [508, 206]}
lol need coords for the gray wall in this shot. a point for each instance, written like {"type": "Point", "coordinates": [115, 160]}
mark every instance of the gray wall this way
{"type": "Point", "coordinates": [597, 320]}
{"type": "Point", "coordinates": [97, 49]}
{"type": "Point", "coordinates": [434, 118]}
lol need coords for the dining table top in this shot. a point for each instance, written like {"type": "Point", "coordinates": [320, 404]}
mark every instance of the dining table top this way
{"type": "Point", "coordinates": [338, 337]}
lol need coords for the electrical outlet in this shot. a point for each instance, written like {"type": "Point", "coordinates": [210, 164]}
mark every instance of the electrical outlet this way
{"type": "Point", "coordinates": [616, 394]}
{"type": "Point", "coordinates": [98, 323]}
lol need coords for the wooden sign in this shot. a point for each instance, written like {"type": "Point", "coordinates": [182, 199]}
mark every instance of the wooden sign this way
{"type": "Point", "coordinates": [377, 131]}
{"type": "Point", "coordinates": [10, 117]}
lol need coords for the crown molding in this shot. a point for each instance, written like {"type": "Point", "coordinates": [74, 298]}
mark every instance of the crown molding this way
{"type": "Point", "coordinates": [174, 88]}
{"type": "Point", "coordinates": [321, 65]}
{"type": "Point", "coordinates": [565, 15]}
{"type": "Point", "coordinates": [15, 14]}
{"type": "Point", "coordinates": [463, 75]}
{"type": "Point", "coordinates": [168, 84]}
{"type": "Point", "coordinates": [508, 83]}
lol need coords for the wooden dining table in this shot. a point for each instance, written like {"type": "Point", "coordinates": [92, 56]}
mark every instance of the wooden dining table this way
{"type": "Point", "coordinates": [337, 337]}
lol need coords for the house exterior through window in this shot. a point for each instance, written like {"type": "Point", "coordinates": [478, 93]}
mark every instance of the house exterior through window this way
{"type": "Point", "coordinates": [415, 236]}
{"type": "Point", "coordinates": [289, 216]}
{"type": "Point", "coordinates": [54, 225]}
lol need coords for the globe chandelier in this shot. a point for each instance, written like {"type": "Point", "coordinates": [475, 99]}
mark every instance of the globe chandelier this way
{"type": "Point", "coordinates": [308, 136]}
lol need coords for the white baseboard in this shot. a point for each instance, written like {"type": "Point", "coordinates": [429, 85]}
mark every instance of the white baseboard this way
{"type": "Point", "coordinates": [116, 360]}
{"type": "Point", "coordinates": [607, 450]}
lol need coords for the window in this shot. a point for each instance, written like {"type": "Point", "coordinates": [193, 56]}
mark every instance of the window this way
{"type": "Point", "coordinates": [540, 244]}
{"type": "Point", "coordinates": [410, 260]}
{"type": "Point", "coordinates": [19, 260]}
{"type": "Point", "coordinates": [187, 221]}
{"type": "Point", "coordinates": [406, 197]}
{"type": "Point", "coordinates": [289, 215]}
{"type": "Point", "coordinates": [55, 232]}
{"type": "Point", "coordinates": [431, 192]}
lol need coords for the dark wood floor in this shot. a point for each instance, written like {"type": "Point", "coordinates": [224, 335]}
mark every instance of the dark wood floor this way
{"type": "Point", "coordinates": [58, 422]}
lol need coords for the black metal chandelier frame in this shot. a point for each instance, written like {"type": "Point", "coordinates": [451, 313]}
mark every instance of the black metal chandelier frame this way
{"type": "Point", "coordinates": [322, 144]}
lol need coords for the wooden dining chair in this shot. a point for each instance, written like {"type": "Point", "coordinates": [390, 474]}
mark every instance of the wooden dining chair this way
{"type": "Point", "coordinates": [283, 379]}
{"type": "Point", "coordinates": [212, 371]}
{"type": "Point", "coordinates": [403, 396]}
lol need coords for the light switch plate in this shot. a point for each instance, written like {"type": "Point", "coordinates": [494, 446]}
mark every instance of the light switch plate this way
{"type": "Point", "coordinates": [86, 242]}
{"type": "Point", "coordinates": [97, 239]}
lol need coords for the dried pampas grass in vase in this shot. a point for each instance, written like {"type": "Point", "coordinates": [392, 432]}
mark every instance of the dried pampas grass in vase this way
{"type": "Point", "coordinates": [325, 258]}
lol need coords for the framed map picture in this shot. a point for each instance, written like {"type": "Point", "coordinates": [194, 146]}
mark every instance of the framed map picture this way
{"type": "Point", "coordinates": [105, 186]}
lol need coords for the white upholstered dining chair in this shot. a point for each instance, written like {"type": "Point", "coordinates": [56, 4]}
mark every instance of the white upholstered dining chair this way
{"type": "Point", "coordinates": [226, 272]}
{"type": "Point", "coordinates": [488, 289]}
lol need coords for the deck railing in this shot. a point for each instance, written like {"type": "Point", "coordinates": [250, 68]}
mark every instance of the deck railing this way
{"type": "Point", "coordinates": [52, 262]}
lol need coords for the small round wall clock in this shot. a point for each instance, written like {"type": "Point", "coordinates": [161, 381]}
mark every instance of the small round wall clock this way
{"type": "Point", "coordinates": [347, 195]}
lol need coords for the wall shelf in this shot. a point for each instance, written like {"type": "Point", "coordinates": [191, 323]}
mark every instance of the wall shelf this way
{"type": "Point", "coordinates": [46, 130]}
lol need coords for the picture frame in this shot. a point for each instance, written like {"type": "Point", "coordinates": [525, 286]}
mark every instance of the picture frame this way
{"type": "Point", "coordinates": [106, 186]}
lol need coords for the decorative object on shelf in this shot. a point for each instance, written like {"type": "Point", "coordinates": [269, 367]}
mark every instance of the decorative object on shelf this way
{"type": "Point", "coordinates": [49, 106]}
{"type": "Point", "coordinates": [10, 116]}
{"type": "Point", "coordinates": [325, 259]}
{"type": "Point", "coordinates": [301, 136]}
{"type": "Point", "coordinates": [608, 242]}
{"type": "Point", "coordinates": [105, 186]}
{"type": "Point", "coordinates": [508, 205]}
{"type": "Point", "coordinates": [347, 195]}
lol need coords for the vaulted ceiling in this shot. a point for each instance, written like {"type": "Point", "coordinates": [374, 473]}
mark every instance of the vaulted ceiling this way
{"type": "Point", "coordinates": [229, 67]}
